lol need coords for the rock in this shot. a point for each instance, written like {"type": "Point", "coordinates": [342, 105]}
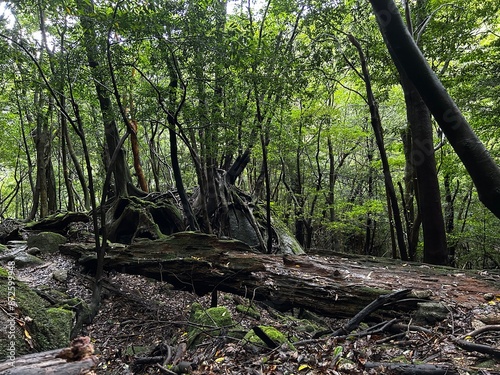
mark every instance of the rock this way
{"type": "Point", "coordinates": [16, 243]}
{"type": "Point", "coordinates": [248, 310]}
{"type": "Point", "coordinates": [60, 275]}
{"type": "Point", "coordinates": [24, 260]}
{"type": "Point", "coordinates": [62, 320]}
{"type": "Point", "coordinates": [431, 312]}
{"type": "Point", "coordinates": [288, 242]}
{"type": "Point", "coordinates": [241, 228]}
{"type": "Point", "coordinates": [489, 296]}
{"type": "Point", "coordinates": [47, 242]}
{"type": "Point", "coordinates": [34, 251]}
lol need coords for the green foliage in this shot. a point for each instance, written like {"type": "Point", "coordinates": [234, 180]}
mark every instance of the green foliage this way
{"type": "Point", "coordinates": [282, 77]}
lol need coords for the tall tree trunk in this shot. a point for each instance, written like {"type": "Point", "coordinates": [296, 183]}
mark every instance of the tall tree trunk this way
{"type": "Point", "coordinates": [265, 168]}
{"type": "Point", "coordinates": [408, 194]}
{"type": "Point", "coordinates": [172, 121]}
{"type": "Point", "coordinates": [450, 217]}
{"type": "Point", "coordinates": [332, 174]}
{"type": "Point", "coordinates": [154, 160]}
{"type": "Point", "coordinates": [122, 178]}
{"type": "Point", "coordinates": [377, 129]}
{"type": "Point", "coordinates": [70, 203]}
{"type": "Point", "coordinates": [409, 60]}
{"type": "Point", "coordinates": [134, 140]}
{"type": "Point", "coordinates": [422, 158]}
{"type": "Point", "coordinates": [424, 164]}
{"type": "Point", "coordinates": [297, 191]}
{"type": "Point", "coordinates": [27, 152]}
{"type": "Point", "coordinates": [370, 222]}
{"type": "Point", "coordinates": [41, 137]}
{"type": "Point", "coordinates": [76, 162]}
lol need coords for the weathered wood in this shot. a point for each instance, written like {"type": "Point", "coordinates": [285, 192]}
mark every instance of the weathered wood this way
{"type": "Point", "coordinates": [203, 263]}
{"type": "Point", "coordinates": [338, 286]}
{"type": "Point", "coordinates": [45, 363]}
{"type": "Point", "coordinates": [480, 348]}
{"type": "Point", "coordinates": [58, 222]}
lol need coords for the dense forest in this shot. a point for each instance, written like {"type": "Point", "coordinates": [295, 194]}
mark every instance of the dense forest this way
{"type": "Point", "coordinates": [299, 112]}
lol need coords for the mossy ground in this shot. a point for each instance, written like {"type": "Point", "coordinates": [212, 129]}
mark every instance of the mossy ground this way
{"type": "Point", "coordinates": [206, 322]}
{"type": "Point", "coordinates": [38, 327]}
{"type": "Point", "coordinates": [275, 335]}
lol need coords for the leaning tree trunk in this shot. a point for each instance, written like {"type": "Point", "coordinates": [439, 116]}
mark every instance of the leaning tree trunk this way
{"type": "Point", "coordinates": [409, 60]}
{"type": "Point", "coordinates": [377, 129]}
{"type": "Point", "coordinates": [172, 123]}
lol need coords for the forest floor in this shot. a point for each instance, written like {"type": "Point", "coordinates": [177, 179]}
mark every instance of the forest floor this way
{"type": "Point", "coordinates": [144, 318]}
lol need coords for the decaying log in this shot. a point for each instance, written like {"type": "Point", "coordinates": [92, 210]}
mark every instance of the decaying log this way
{"type": "Point", "coordinates": [45, 363]}
{"type": "Point", "coordinates": [480, 348]}
{"type": "Point", "coordinates": [58, 222]}
{"type": "Point", "coordinates": [202, 263]}
{"type": "Point", "coordinates": [331, 286]}
{"type": "Point", "coordinates": [78, 359]}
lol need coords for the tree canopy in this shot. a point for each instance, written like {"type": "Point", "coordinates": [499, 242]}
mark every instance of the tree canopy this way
{"type": "Point", "coordinates": [292, 110]}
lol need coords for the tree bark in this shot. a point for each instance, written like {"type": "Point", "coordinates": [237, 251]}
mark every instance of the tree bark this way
{"type": "Point", "coordinates": [422, 158]}
{"type": "Point", "coordinates": [121, 173]}
{"type": "Point", "coordinates": [333, 286]}
{"type": "Point", "coordinates": [377, 129]}
{"type": "Point", "coordinates": [450, 217]}
{"type": "Point", "coordinates": [423, 163]}
{"type": "Point", "coordinates": [409, 60]}
{"type": "Point", "coordinates": [202, 263]}
{"type": "Point", "coordinates": [172, 122]}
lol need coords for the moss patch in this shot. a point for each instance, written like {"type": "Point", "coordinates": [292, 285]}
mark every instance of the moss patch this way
{"type": "Point", "coordinates": [206, 322]}
{"type": "Point", "coordinates": [4, 273]}
{"type": "Point", "coordinates": [37, 328]}
{"type": "Point", "coordinates": [248, 310]}
{"type": "Point", "coordinates": [61, 321]}
{"type": "Point", "coordinates": [275, 335]}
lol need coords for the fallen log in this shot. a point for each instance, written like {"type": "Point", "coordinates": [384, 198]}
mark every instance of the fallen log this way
{"type": "Point", "coordinates": [202, 263]}
{"type": "Point", "coordinates": [332, 286]}
{"type": "Point", "coordinates": [55, 361]}
{"type": "Point", "coordinates": [480, 348]}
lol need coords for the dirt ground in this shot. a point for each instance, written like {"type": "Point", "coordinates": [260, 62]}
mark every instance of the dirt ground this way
{"type": "Point", "coordinates": [142, 318]}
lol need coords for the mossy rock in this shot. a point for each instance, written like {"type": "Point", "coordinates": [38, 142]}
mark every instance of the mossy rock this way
{"type": "Point", "coordinates": [431, 312]}
{"type": "Point", "coordinates": [24, 260]}
{"type": "Point", "coordinates": [3, 248]}
{"type": "Point", "coordinates": [206, 322]}
{"type": "Point", "coordinates": [47, 242]}
{"type": "Point", "coordinates": [303, 324]}
{"type": "Point", "coordinates": [288, 242]}
{"type": "Point", "coordinates": [62, 321]}
{"type": "Point", "coordinates": [44, 328]}
{"type": "Point", "coordinates": [275, 335]}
